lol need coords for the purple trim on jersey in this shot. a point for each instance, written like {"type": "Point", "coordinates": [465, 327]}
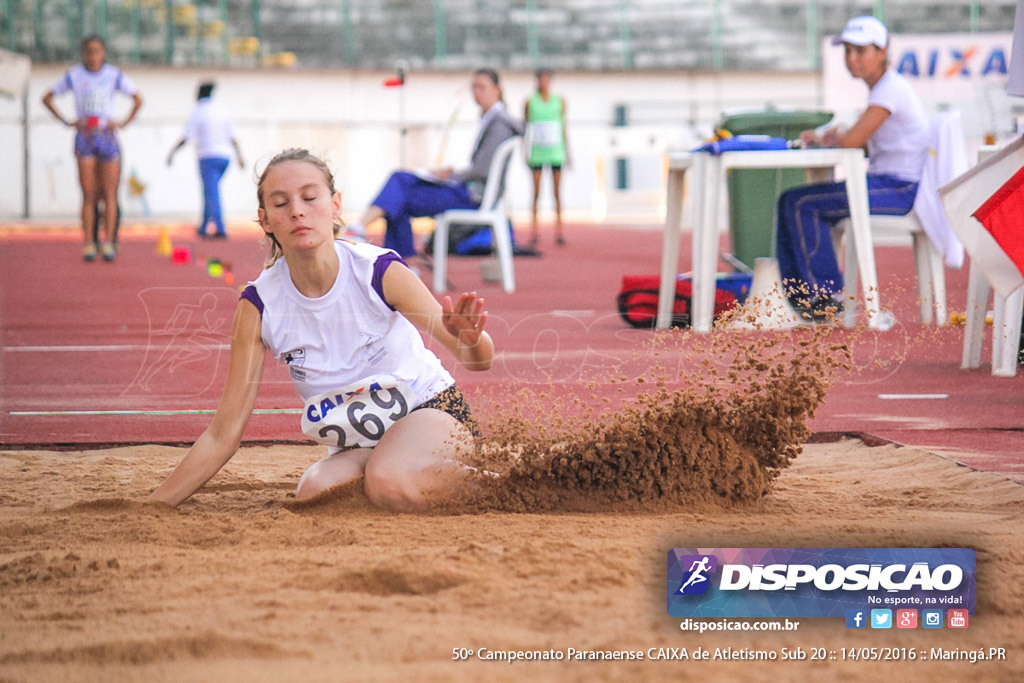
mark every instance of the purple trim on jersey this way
{"type": "Point", "coordinates": [252, 296]}
{"type": "Point", "coordinates": [379, 268]}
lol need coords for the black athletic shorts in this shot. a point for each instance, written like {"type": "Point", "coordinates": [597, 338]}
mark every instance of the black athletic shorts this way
{"type": "Point", "coordinates": [453, 402]}
{"type": "Point", "coordinates": [538, 167]}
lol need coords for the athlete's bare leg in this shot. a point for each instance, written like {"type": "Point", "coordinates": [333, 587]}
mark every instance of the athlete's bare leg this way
{"type": "Point", "coordinates": [556, 181]}
{"type": "Point", "coordinates": [333, 471]}
{"type": "Point", "coordinates": [88, 180]}
{"type": "Point", "coordinates": [535, 236]}
{"type": "Point", "coordinates": [418, 461]}
{"type": "Point", "coordinates": [110, 174]}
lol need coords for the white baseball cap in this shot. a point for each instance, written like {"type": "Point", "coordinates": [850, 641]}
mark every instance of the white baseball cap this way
{"type": "Point", "coordinates": [863, 31]}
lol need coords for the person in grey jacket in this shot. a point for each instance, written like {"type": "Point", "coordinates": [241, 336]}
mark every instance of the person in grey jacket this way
{"type": "Point", "coordinates": [408, 195]}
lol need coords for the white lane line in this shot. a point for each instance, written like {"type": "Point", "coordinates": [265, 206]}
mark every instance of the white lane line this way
{"type": "Point", "coordinates": [79, 413]}
{"type": "Point", "coordinates": [99, 348]}
{"type": "Point", "coordinates": [911, 397]}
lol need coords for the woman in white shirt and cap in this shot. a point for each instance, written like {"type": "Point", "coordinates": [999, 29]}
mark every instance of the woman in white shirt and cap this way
{"type": "Point", "coordinates": [894, 129]}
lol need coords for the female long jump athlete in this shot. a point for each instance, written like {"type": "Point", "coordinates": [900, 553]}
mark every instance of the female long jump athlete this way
{"type": "Point", "coordinates": [347, 319]}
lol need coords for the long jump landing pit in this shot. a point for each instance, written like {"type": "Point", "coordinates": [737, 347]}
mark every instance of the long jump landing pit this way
{"type": "Point", "coordinates": [240, 585]}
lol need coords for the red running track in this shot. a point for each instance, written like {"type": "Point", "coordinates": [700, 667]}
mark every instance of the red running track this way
{"type": "Point", "coordinates": [135, 351]}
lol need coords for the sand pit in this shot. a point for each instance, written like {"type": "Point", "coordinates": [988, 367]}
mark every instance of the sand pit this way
{"type": "Point", "coordinates": [238, 585]}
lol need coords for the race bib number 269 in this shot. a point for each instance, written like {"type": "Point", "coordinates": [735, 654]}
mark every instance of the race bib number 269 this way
{"type": "Point", "coordinates": [356, 416]}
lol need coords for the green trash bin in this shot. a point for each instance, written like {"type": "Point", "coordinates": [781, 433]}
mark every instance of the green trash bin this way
{"type": "Point", "coordinates": [753, 193]}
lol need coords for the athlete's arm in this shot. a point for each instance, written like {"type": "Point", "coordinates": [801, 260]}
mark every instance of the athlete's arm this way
{"type": "Point", "coordinates": [174, 150]}
{"type": "Point", "coordinates": [221, 439]}
{"type": "Point", "coordinates": [48, 102]}
{"type": "Point", "coordinates": [458, 326]}
{"type": "Point", "coordinates": [136, 105]}
{"type": "Point", "coordinates": [238, 153]}
{"type": "Point", "coordinates": [565, 136]}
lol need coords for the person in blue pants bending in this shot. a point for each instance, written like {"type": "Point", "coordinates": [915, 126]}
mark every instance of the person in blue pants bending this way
{"type": "Point", "coordinates": [408, 195]}
{"type": "Point", "coordinates": [894, 128]}
{"type": "Point", "coordinates": [210, 128]}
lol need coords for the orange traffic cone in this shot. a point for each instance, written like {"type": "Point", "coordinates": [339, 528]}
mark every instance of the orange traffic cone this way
{"type": "Point", "coordinates": [163, 242]}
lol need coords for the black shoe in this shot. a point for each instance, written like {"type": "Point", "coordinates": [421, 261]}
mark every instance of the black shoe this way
{"type": "Point", "coordinates": [802, 306]}
{"type": "Point", "coordinates": [825, 308]}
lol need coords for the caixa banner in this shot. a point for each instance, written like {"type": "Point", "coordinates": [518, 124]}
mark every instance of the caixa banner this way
{"type": "Point", "coordinates": [947, 69]}
{"type": "Point", "coordinates": [816, 582]}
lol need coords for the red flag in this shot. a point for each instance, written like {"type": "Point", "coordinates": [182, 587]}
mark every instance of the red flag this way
{"type": "Point", "coordinates": [1002, 214]}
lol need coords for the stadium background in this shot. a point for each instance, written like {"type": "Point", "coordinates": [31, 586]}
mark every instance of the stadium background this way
{"type": "Point", "coordinates": [641, 77]}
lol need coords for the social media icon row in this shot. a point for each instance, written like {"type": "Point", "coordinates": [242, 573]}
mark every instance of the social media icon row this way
{"type": "Point", "coordinates": [905, 618]}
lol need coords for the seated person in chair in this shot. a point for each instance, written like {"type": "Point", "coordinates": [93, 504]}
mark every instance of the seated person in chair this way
{"type": "Point", "coordinates": [407, 195]}
{"type": "Point", "coordinates": [895, 130]}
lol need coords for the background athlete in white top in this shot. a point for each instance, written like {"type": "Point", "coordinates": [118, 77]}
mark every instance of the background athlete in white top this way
{"type": "Point", "coordinates": [416, 460]}
{"type": "Point", "coordinates": [209, 128]}
{"type": "Point", "coordinates": [94, 84]}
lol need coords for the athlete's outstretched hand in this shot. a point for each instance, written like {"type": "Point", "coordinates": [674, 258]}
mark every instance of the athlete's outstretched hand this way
{"type": "Point", "coordinates": [465, 319]}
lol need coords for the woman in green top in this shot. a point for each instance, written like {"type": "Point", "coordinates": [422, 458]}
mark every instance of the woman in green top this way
{"type": "Point", "coordinates": [545, 121]}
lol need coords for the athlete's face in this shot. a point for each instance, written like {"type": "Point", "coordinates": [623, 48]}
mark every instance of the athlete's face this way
{"type": "Point", "coordinates": [299, 208]}
{"type": "Point", "coordinates": [866, 62]}
{"type": "Point", "coordinates": [93, 55]}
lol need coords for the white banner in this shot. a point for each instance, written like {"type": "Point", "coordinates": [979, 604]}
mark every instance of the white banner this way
{"type": "Point", "coordinates": [965, 71]}
{"type": "Point", "coordinates": [1015, 86]}
{"type": "Point", "coordinates": [14, 71]}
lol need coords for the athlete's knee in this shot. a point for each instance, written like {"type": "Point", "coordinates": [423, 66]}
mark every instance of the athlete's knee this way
{"type": "Point", "coordinates": [314, 481]}
{"type": "Point", "coordinates": [390, 486]}
{"type": "Point", "coordinates": [321, 477]}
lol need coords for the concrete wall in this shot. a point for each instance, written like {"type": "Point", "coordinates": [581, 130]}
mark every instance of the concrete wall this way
{"type": "Point", "coordinates": [352, 120]}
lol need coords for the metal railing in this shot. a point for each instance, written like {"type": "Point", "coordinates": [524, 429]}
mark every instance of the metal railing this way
{"type": "Point", "coordinates": [457, 34]}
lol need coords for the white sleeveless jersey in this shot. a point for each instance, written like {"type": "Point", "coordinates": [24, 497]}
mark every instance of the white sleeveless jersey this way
{"type": "Point", "coordinates": [348, 335]}
{"type": "Point", "coordinates": [94, 90]}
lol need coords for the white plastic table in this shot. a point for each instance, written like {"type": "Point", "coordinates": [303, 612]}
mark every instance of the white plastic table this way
{"type": "Point", "coordinates": [708, 175]}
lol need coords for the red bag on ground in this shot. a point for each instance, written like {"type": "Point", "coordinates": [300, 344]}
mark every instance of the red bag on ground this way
{"type": "Point", "coordinates": [638, 301]}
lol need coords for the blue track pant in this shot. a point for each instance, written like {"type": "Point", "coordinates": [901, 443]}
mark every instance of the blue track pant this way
{"type": "Point", "coordinates": [806, 215]}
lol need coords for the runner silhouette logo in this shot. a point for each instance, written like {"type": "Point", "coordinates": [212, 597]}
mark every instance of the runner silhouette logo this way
{"type": "Point", "coordinates": [697, 578]}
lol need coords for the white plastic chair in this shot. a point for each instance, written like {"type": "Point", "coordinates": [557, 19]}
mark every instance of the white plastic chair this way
{"type": "Point", "coordinates": [491, 213]}
{"type": "Point", "coordinates": [926, 223]}
{"type": "Point", "coordinates": [928, 266]}
{"type": "Point", "coordinates": [1006, 317]}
